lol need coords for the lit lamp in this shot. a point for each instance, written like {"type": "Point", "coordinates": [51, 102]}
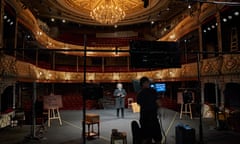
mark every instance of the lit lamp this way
{"type": "Point", "coordinates": [108, 12]}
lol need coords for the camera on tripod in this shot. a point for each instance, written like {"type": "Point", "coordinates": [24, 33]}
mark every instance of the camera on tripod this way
{"type": "Point", "coordinates": [187, 96]}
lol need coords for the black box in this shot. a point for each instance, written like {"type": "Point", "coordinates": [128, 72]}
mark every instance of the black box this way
{"type": "Point", "coordinates": [185, 135]}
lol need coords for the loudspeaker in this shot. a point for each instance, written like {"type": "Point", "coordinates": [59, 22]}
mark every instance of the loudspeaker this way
{"type": "Point", "coordinates": [185, 135]}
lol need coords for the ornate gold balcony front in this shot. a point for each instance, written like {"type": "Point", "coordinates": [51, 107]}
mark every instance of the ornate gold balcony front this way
{"type": "Point", "coordinates": [22, 71]}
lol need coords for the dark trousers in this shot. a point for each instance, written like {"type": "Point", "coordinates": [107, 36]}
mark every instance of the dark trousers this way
{"type": "Point", "coordinates": [150, 128]}
{"type": "Point", "coordinates": [122, 112]}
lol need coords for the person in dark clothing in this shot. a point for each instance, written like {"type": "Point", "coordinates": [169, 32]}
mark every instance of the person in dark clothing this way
{"type": "Point", "coordinates": [120, 94]}
{"type": "Point", "coordinates": [148, 100]}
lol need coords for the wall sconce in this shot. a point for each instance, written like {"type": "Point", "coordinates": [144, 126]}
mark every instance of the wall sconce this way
{"type": "Point", "coordinates": [116, 76]}
{"type": "Point", "coordinates": [39, 74]}
{"type": "Point", "coordinates": [67, 76]}
{"type": "Point", "coordinates": [91, 76]}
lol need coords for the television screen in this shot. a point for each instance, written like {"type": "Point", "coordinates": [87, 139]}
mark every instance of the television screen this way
{"type": "Point", "coordinates": [160, 87]}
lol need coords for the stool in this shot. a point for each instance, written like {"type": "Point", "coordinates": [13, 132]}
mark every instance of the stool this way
{"type": "Point", "coordinates": [91, 120]}
{"type": "Point", "coordinates": [187, 110]}
{"type": "Point", "coordinates": [119, 138]}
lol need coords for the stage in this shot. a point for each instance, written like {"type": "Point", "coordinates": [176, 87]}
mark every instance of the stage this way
{"type": "Point", "coordinates": [70, 132]}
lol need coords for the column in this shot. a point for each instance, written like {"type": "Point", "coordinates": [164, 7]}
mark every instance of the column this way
{"type": "Point", "coordinates": [222, 86]}
{"type": "Point", "coordinates": [200, 40]}
{"type": "Point", "coordinates": [19, 96]}
{"type": "Point", "coordinates": [1, 22]}
{"type": "Point", "coordinates": [219, 32]}
{"type": "Point", "coordinates": [202, 93]}
{"type": "Point", "coordinates": [200, 32]}
{"type": "Point", "coordinates": [34, 99]}
{"type": "Point", "coordinates": [14, 96]}
{"type": "Point", "coordinates": [216, 92]}
{"type": "Point", "coordinates": [16, 36]}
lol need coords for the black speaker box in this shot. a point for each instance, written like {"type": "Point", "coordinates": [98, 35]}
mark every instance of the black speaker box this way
{"type": "Point", "coordinates": [185, 135]}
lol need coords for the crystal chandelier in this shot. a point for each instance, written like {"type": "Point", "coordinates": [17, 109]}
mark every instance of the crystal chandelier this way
{"type": "Point", "coordinates": [108, 12]}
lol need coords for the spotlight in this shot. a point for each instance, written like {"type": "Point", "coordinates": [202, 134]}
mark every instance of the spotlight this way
{"type": "Point", "coordinates": [236, 13]}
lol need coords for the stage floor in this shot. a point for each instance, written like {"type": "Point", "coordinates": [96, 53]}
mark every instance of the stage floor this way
{"type": "Point", "coordinates": [71, 129]}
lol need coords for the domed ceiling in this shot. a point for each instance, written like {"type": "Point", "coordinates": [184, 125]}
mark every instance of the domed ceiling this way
{"type": "Point", "coordinates": [134, 9]}
{"type": "Point", "coordinates": [137, 11]}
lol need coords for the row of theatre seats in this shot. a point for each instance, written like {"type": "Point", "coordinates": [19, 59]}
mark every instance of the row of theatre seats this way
{"type": "Point", "coordinates": [94, 41]}
{"type": "Point", "coordinates": [68, 68]}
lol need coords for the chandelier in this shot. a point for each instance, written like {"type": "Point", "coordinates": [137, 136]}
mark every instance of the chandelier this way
{"type": "Point", "coordinates": [108, 12]}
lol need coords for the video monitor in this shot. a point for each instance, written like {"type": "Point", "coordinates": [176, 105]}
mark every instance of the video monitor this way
{"type": "Point", "coordinates": [159, 87]}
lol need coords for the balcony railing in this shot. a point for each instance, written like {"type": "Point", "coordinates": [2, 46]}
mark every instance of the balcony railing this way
{"type": "Point", "coordinates": [225, 65]}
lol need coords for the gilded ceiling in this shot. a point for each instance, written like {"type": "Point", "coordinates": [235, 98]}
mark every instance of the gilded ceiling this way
{"type": "Point", "coordinates": [134, 9]}
{"type": "Point", "coordinates": [79, 10]}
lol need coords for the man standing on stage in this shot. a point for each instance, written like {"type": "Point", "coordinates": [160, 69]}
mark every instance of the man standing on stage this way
{"type": "Point", "coordinates": [120, 94]}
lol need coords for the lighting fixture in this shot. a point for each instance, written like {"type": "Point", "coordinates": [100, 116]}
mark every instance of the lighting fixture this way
{"type": "Point", "coordinates": [108, 12]}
